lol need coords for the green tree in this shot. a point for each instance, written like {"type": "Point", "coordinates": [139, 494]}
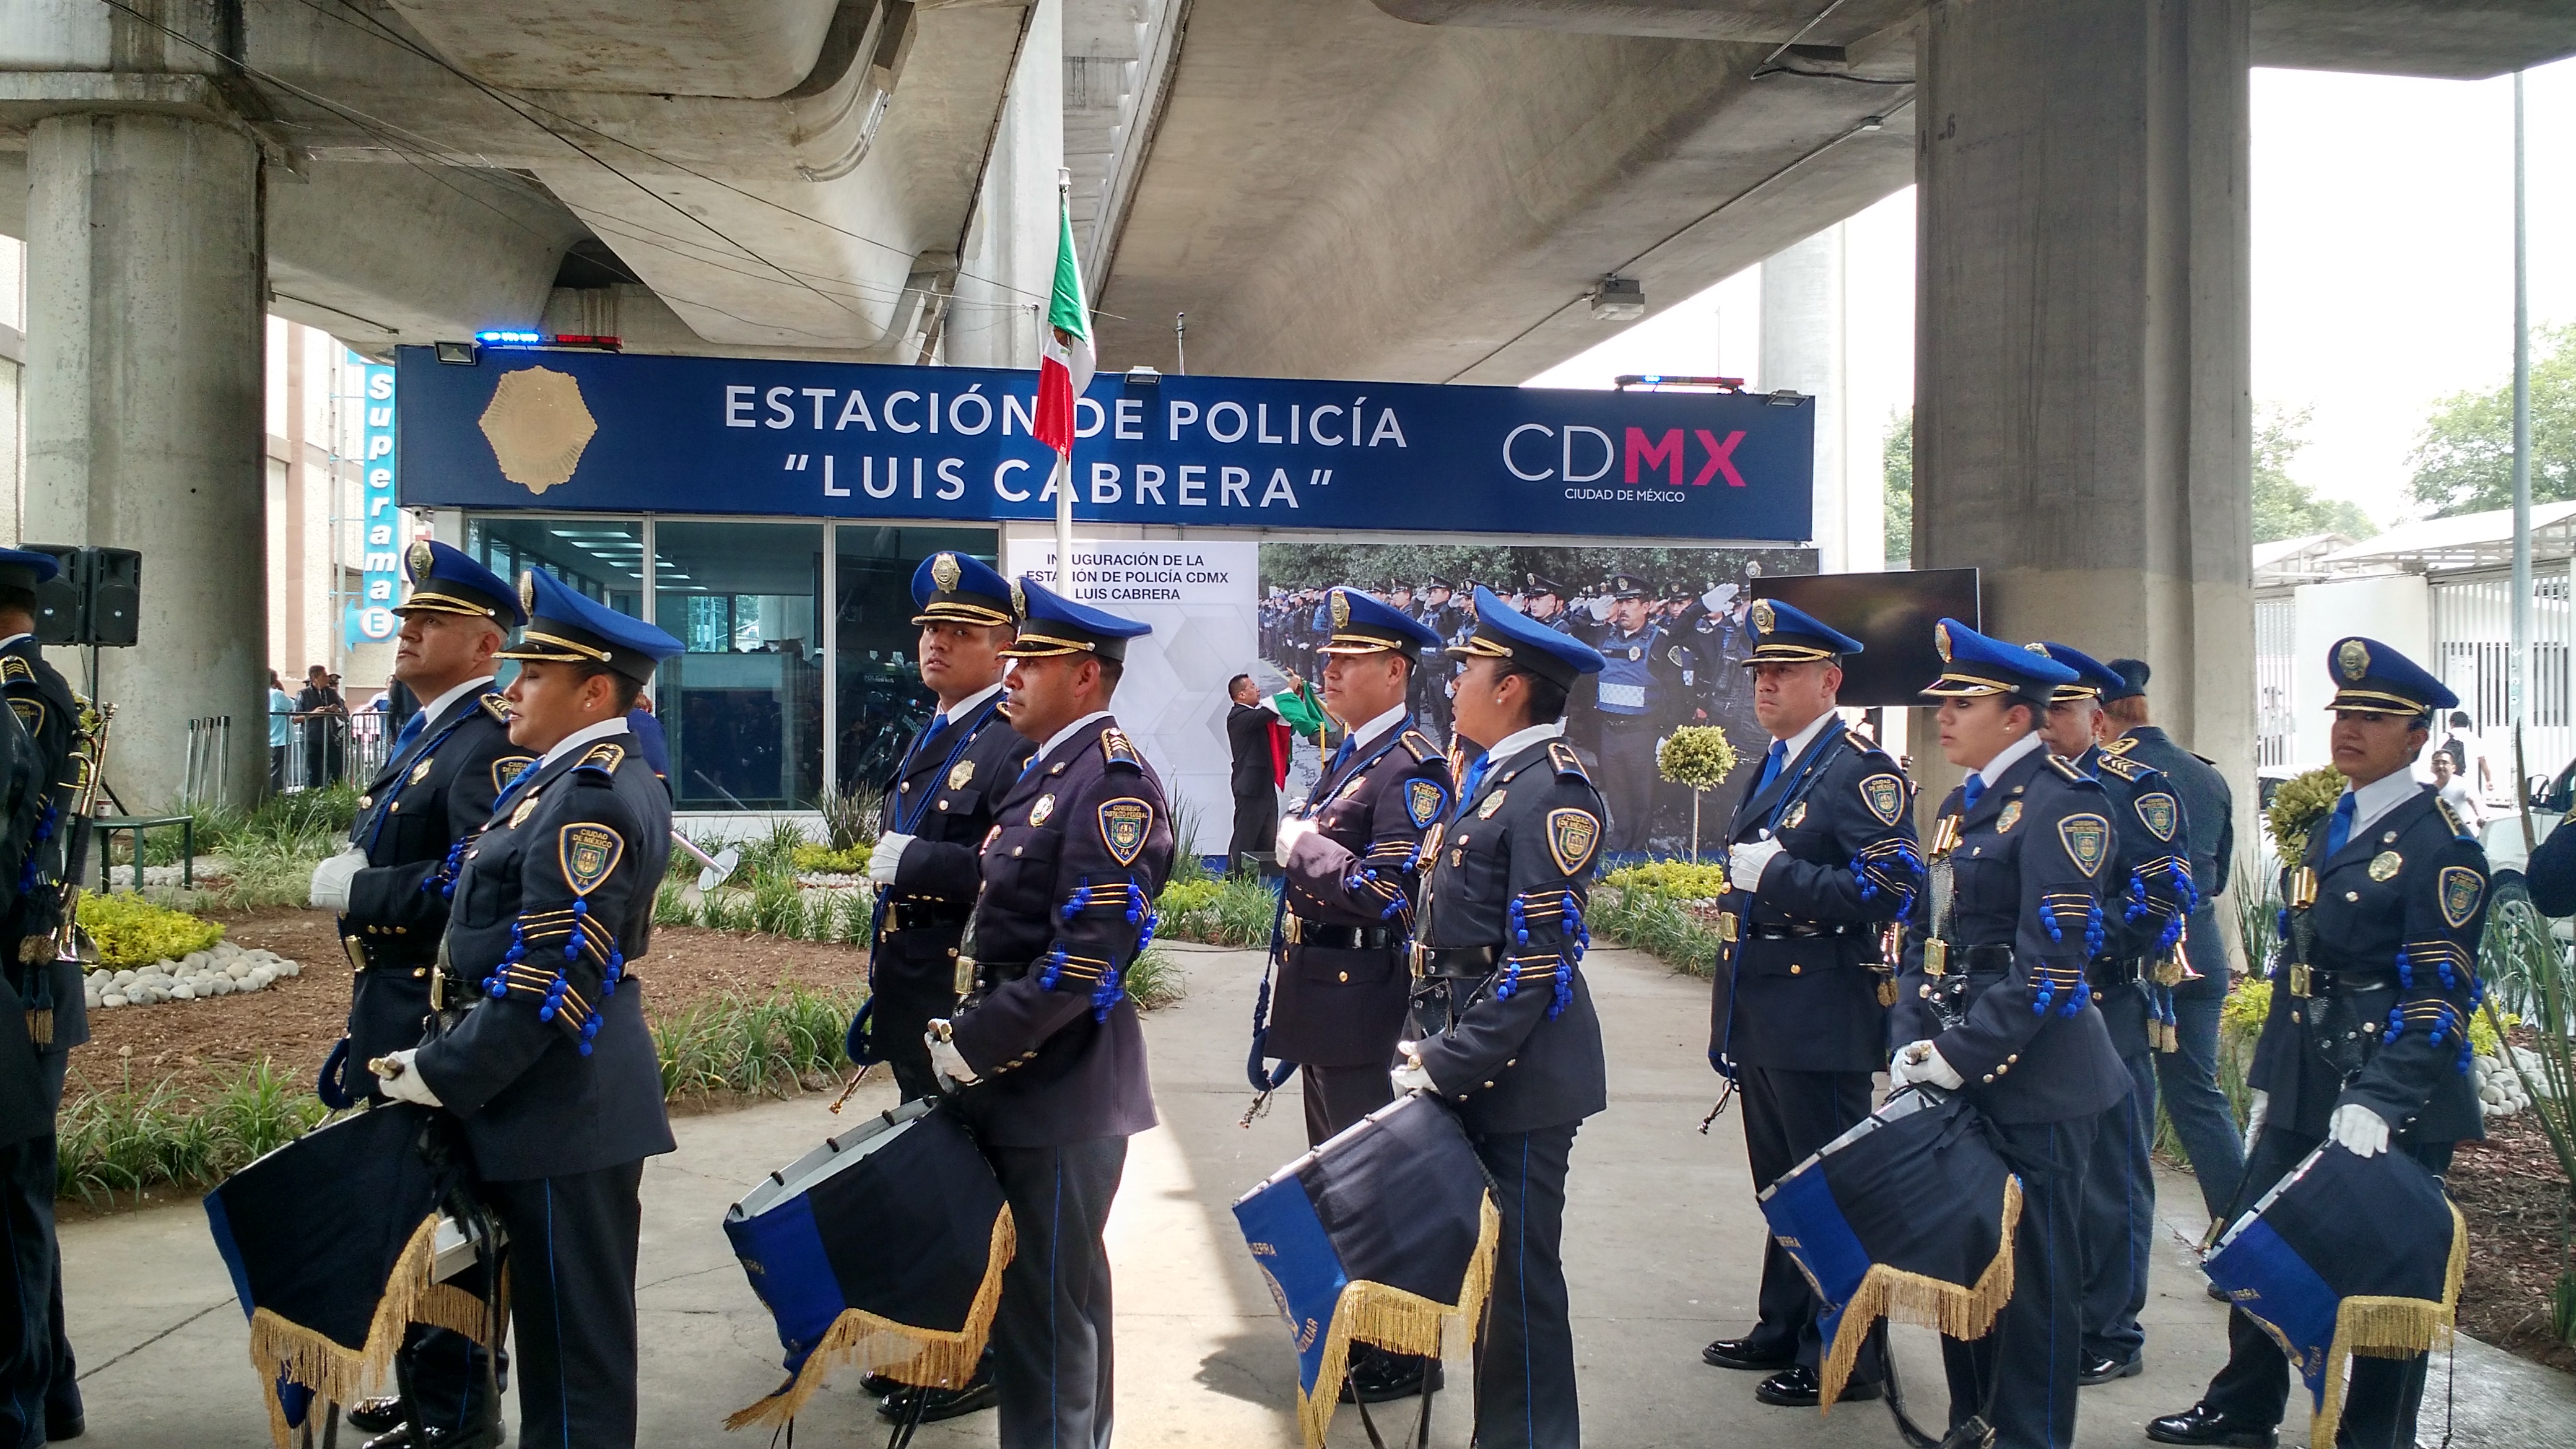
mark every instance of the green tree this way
{"type": "Point", "coordinates": [2283, 506]}
{"type": "Point", "coordinates": [2463, 460]}
{"type": "Point", "coordinates": [1896, 464]}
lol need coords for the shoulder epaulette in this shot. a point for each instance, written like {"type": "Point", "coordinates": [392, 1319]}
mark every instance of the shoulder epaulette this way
{"type": "Point", "coordinates": [14, 669]}
{"type": "Point", "coordinates": [1567, 762]}
{"type": "Point", "coordinates": [1420, 747]}
{"type": "Point", "coordinates": [2073, 776]}
{"type": "Point", "coordinates": [2204, 759]}
{"type": "Point", "coordinates": [2126, 768]}
{"type": "Point", "coordinates": [1117, 749]}
{"type": "Point", "coordinates": [602, 760]}
{"type": "Point", "coordinates": [2121, 746]}
{"type": "Point", "coordinates": [2451, 819]}
{"type": "Point", "coordinates": [497, 707]}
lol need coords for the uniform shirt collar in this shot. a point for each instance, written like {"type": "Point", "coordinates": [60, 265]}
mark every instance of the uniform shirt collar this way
{"type": "Point", "coordinates": [438, 706]}
{"type": "Point", "coordinates": [1068, 732]}
{"type": "Point", "coordinates": [608, 728]}
{"type": "Point", "coordinates": [2008, 757]}
{"type": "Point", "coordinates": [14, 638]}
{"type": "Point", "coordinates": [1796, 745]}
{"type": "Point", "coordinates": [969, 704]}
{"type": "Point", "coordinates": [1370, 733]}
{"type": "Point", "coordinates": [1519, 740]}
{"type": "Point", "coordinates": [2376, 799]}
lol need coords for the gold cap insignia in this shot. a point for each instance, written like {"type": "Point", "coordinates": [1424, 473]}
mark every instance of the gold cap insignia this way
{"type": "Point", "coordinates": [1941, 641]}
{"type": "Point", "coordinates": [1762, 616]}
{"type": "Point", "coordinates": [944, 572]}
{"type": "Point", "coordinates": [2037, 648]}
{"type": "Point", "coordinates": [2353, 658]}
{"type": "Point", "coordinates": [1019, 600]}
{"type": "Point", "coordinates": [528, 591]}
{"type": "Point", "coordinates": [420, 558]}
{"type": "Point", "coordinates": [1341, 608]}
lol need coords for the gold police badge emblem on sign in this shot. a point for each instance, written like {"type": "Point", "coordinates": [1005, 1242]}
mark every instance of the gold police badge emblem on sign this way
{"type": "Point", "coordinates": [1341, 608]}
{"type": "Point", "coordinates": [420, 558]}
{"type": "Point", "coordinates": [2353, 658]}
{"type": "Point", "coordinates": [2088, 840]}
{"type": "Point", "coordinates": [587, 853]}
{"type": "Point", "coordinates": [2385, 865]}
{"type": "Point", "coordinates": [1039, 812]}
{"type": "Point", "coordinates": [944, 571]}
{"type": "Point", "coordinates": [1123, 826]}
{"type": "Point", "coordinates": [964, 772]}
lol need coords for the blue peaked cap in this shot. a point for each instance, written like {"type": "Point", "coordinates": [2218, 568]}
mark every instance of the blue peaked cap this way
{"type": "Point", "coordinates": [447, 580]}
{"type": "Point", "coordinates": [24, 568]}
{"type": "Point", "coordinates": [956, 588]}
{"type": "Point", "coordinates": [1362, 625]}
{"type": "Point", "coordinates": [1974, 665]}
{"type": "Point", "coordinates": [2371, 678]}
{"type": "Point", "coordinates": [566, 628]}
{"type": "Point", "coordinates": [1503, 632]}
{"type": "Point", "coordinates": [1052, 624]}
{"type": "Point", "coordinates": [2093, 678]}
{"type": "Point", "coordinates": [1783, 633]}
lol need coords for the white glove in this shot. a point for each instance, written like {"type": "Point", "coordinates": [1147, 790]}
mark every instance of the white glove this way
{"type": "Point", "coordinates": [1411, 1077]}
{"type": "Point", "coordinates": [1745, 863]}
{"type": "Point", "coordinates": [1602, 606]}
{"type": "Point", "coordinates": [1716, 598]}
{"type": "Point", "coordinates": [887, 857]}
{"type": "Point", "coordinates": [945, 1058]}
{"type": "Point", "coordinates": [330, 888]}
{"type": "Point", "coordinates": [1921, 1062]}
{"type": "Point", "coordinates": [2254, 1115]}
{"type": "Point", "coordinates": [1291, 831]}
{"type": "Point", "coordinates": [2363, 1132]}
{"type": "Point", "coordinates": [399, 1079]}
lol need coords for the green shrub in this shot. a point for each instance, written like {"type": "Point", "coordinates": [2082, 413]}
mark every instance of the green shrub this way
{"type": "Point", "coordinates": [812, 859]}
{"type": "Point", "coordinates": [133, 933]}
{"type": "Point", "coordinates": [1678, 879]}
{"type": "Point", "coordinates": [1182, 897]}
{"type": "Point", "coordinates": [124, 1141]}
{"type": "Point", "coordinates": [1155, 979]}
{"type": "Point", "coordinates": [1654, 923]}
{"type": "Point", "coordinates": [1220, 911]}
{"type": "Point", "coordinates": [779, 1045]}
{"type": "Point", "coordinates": [850, 821]}
{"type": "Point", "coordinates": [1695, 755]}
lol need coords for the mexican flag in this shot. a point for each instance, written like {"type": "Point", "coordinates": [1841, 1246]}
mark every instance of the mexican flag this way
{"type": "Point", "coordinates": [1066, 369]}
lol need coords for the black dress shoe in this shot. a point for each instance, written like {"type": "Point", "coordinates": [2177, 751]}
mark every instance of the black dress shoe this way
{"type": "Point", "coordinates": [1386, 1377]}
{"type": "Point", "coordinates": [59, 1427]}
{"type": "Point", "coordinates": [2106, 1368]}
{"type": "Point", "coordinates": [2201, 1424]}
{"type": "Point", "coordinates": [397, 1437]}
{"type": "Point", "coordinates": [373, 1415]}
{"type": "Point", "coordinates": [1797, 1387]}
{"type": "Point", "coordinates": [414, 1436]}
{"type": "Point", "coordinates": [2219, 1295]}
{"type": "Point", "coordinates": [1745, 1353]}
{"type": "Point", "coordinates": [938, 1404]}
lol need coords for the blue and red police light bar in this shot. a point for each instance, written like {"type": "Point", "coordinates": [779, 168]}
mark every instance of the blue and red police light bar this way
{"type": "Point", "coordinates": [503, 337]}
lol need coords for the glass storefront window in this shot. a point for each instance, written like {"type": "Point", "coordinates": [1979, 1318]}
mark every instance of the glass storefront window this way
{"type": "Point", "coordinates": [877, 682]}
{"type": "Point", "coordinates": [743, 706]}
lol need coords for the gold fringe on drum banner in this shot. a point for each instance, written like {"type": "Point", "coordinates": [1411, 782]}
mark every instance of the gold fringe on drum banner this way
{"type": "Point", "coordinates": [922, 1357]}
{"type": "Point", "coordinates": [2388, 1328]}
{"type": "Point", "coordinates": [1398, 1322]}
{"type": "Point", "coordinates": [341, 1375]}
{"type": "Point", "coordinates": [1957, 1312]}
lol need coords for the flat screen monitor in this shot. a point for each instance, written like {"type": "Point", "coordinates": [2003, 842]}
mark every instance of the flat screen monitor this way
{"type": "Point", "coordinates": [1892, 614]}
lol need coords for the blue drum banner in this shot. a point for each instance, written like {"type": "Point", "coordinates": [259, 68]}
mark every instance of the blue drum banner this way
{"type": "Point", "coordinates": [578, 431]}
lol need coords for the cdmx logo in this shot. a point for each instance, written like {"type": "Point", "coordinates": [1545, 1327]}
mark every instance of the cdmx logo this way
{"type": "Point", "coordinates": [1585, 454]}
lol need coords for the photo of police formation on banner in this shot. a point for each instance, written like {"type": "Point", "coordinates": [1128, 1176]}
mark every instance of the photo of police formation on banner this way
{"type": "Point", "coordinates": [2028, 970]}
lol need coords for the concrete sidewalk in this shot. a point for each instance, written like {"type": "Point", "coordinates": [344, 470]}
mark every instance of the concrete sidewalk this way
{"type": "Point", "coordinates": [1662, 1247]}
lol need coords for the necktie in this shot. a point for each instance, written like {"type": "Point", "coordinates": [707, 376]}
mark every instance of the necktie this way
{"type": "Point", "coordinates": [1467, 788]}
{"type": "Point", "coordinates": [411, 730]}
{"type": "Point", "coordinates": [1771, 765]}
{"type": "Point", "coordinates": [1970, 789]}
{"type": "Point", "coordinates": [938, 722]}
{"type": "Point", "coordinates": [1342, 756]}
{"type": "Point", "coordinates": [2339, 829]}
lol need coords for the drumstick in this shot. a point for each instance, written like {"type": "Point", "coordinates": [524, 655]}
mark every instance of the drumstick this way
{"type": "Point", "coordinates": [385, 1067]}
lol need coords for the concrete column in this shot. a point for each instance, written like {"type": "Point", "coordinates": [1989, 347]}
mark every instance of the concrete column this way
{"type": "Point", "coordinates": [2082, 422]}
{"type": "Point", "coordinates": [1802, 348]}
{"type": "Point", "coordinates": [146, 283]}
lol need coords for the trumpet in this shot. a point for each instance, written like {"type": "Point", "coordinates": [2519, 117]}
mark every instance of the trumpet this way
{"type": "Point", "coordinates": [89, 769]}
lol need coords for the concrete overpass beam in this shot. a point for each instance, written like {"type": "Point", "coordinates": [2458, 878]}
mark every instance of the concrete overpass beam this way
{"type": "Point", "coordinates": [145, 282]}
{"type": "Point", "coordinates": [2082, 428]}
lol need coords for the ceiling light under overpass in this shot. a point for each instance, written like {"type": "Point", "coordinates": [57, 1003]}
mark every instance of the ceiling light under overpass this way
{"type": "Point", "coordinates": [1618, 299]}
{"type": "Point", "coordinates": [459, 353]}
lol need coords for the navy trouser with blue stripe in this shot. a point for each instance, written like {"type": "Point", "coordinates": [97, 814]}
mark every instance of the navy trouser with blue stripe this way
{"type": "Point", "coordinates": [2120, 1218]}
{"type": "Point", "coordinates": [1052, 1343]}
{"type": "Point", "coordinates": [571, 1261]}
{"type": "Point", "coordinates": [1525, 1351]}
{"type": "Point", "coordinates": [2037, 1340]}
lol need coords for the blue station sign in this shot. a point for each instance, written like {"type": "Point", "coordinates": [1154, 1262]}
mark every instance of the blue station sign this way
{"type": "Point", "coordinates": [625, 433]}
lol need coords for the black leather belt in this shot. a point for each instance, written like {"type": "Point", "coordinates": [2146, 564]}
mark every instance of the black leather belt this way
{"type": "Point", "coordinates": [921, 915]}
{"type": "Point", "coordinates": [2325, 981]}
{"type": "Point", "coordinates": [1795, 933]}
{"type": "Point", "coordinates": [1967, 960]}
{"type": "Point", "coordinates": [1472, 962]}
{"type": "Point", "coordinates": [2105, 972]}
{"type": "Point", "coordinates": [1303, 932]}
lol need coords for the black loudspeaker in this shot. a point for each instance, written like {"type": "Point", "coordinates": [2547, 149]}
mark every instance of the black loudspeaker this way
{"type": "Point", "coordinates": [96, 599]}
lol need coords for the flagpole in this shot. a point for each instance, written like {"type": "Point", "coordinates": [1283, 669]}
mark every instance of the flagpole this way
{"type": "Point", "coordinates": [1064, 460]}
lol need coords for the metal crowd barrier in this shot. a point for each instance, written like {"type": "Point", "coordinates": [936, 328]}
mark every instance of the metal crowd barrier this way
{"type": "Point", "coordinates": [331, 749]}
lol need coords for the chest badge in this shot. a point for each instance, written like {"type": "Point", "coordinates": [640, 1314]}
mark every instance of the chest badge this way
{"type": "Point", "coordinates": [420, 771]}
{"type": "Point", "coordinates": [526, 808]}
{"type": "Point", "coordinates": [1423, 801]}
{"type": "Point", "coordinates": [1124, 824]}
{"type": "Point", "coordinates": [2385, 865]}
{"type": "Point", "coordinates": [2010, 817]}
{"type": "Point", "coordinates": [2156, 811]}
{"type": "Point", "coordinates": [2461, 888]}
{"type": "Point", "coordinates": [588, 853]}
{"type": "Point", "coordinates": [2088, 841]}
{"type": "Point", "coordinates": [1492, 803]}
{"type": "Point", "coordinates": [964, 772]}
{"type": "Point", "coordinates": [1796, 817]}
{"type": "Point", "coordinates": [1039, 812]}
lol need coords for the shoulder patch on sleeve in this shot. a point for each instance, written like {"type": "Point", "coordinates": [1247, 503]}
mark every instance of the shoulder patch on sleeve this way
{"type": "Point", "coordinates": [1419, 745]}
{"type": "Point", "coordinates": [1117, 749]}
{"type": "Point", "coordinates": [497, 707]}
{"type": "Point", "coordinates": [30, 712]}
{"type": "Point", "coordinates": [2088, 841]}
{"type": "Point", "coordinates": [1571, 836]}
{"type": "Point", "coordinates": [587, 853]}
{"type": "Point", "coordinates": [601, 761]}
{"type": "Point", "coordinates": [1567, 762]}
{"type": "Point", "coordinates": [1124, 824]}
{"type": "Point", "coordinates": [2157, 811]}
{"type": "Point", "coordinates": [2451, 822]}
{"type": "Point", "coordinates": [2461, 887]}
{"type": "Point", "coordinates": [506, 768]}
{"type": "Point", "coordinates": [1424, 801]}
{"type": "Point", "coordinates": [1884, 794]}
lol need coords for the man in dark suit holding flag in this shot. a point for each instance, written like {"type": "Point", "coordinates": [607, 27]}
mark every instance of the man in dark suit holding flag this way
{"type": "Point", "coordinates": [1821, 859]}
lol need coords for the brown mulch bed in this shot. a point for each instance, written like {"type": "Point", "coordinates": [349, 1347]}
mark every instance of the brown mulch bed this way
{"type": "Point", "coordinates": [2513, 1193]}
{"type": "Point", "coordinates": [197, 1044]}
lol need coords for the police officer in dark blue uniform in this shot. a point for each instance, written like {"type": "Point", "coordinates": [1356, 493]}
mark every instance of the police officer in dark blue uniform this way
{"type": "Point", "coordinates": [2150, 896]}
{"type": "Point", "coordinates": [1636, 698]}
{"type": "Point", "coordinates": [1046, 1045]}
{"type": "Point", "coordinates": [390, 887]}
{"type": "Point", "coordinates": [51, 717]}
{"type": "Point", "coordinates": [2367, 1043]}
{"type": "Point", "coordinates": [1504, 1022]}
{"type": "Point", "coordinates": [1822, 858]}
{"type": "Point", "coordinates": [1994, 1004]}
{"type": "Point", "coordinates": [540, 1049]}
